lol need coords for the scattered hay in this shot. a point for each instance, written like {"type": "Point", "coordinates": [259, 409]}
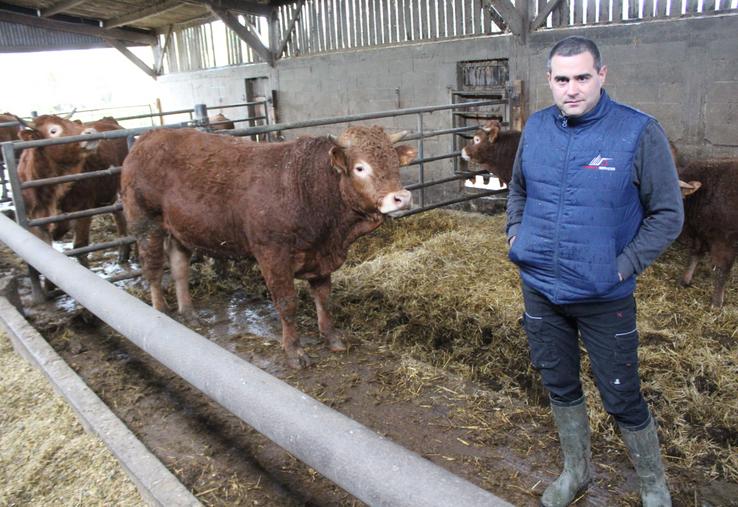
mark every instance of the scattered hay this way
{"type": "Point", "coordinates": [44, 448]}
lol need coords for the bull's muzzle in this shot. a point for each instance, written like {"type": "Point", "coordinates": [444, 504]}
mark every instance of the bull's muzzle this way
{"type": "Point", "coordinates": [89, 145]}
{"type": "Point", "coordinates": [396, 201]}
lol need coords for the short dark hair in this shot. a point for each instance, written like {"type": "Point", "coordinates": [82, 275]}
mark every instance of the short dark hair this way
{"type": "Point", "coordinates": [575, 45]}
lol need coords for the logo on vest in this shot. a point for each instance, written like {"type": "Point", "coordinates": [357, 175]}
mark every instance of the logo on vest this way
{"type": "Point", "coordinates": [600, 163]}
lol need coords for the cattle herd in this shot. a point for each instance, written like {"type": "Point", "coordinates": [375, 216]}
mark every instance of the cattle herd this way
{"type": "Point", "coordinates": [295, 206]}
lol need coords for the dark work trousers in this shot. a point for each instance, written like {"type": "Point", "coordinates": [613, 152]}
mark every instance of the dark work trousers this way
{"type": "Point", "coordinates": [608, 330]}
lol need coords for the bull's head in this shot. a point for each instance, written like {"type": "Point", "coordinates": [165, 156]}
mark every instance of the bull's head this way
{"type": "Point", "coordinates": [483, 137]}
{"type": "Point", "coordinates": [53, 127]}
{"type": "Point", "coordinates": [369, 166]}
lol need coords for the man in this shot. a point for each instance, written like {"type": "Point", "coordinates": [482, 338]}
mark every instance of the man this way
{"type": "Point", "coordinates": [593, 201]}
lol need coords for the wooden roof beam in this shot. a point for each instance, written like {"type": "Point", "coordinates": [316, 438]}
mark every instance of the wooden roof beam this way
{"type": "Point", "coordinates": [131, 36]}
{"type": "Point", "coordinates": [541, 18]}
{"type": "Point", "coordinates": [59, 7]}
{"type": "Point", "coordinates": [140, 14]}
{"type": "Point", "coordinates": [241, 6]}
{"type": "Point", "coordinates": [247, 34]}
{"type": "Point", "coordinates": [510, 15]}
{"type": "Point", "coordinates": [132, 57]}
{"type": "Point", "coordinates": [291, 29]}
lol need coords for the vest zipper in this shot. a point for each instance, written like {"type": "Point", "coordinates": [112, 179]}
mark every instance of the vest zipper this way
{"type": "Point", "coordinates": [557, 283]}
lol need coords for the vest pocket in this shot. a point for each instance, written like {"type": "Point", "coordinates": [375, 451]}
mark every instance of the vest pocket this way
{"type": "Point", "coordinates": [592, 267]}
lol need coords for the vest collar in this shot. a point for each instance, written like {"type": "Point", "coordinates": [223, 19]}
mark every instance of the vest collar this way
{"type": "Point", "coordinates": [599, 111]}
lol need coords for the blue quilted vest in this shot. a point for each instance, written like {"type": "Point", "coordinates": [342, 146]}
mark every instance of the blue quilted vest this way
{"type": "Point", "coordinates": [582, 207]}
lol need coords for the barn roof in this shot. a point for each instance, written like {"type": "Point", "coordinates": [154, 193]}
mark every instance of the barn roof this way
{"type": "Point", "coordinates": [42, 25]}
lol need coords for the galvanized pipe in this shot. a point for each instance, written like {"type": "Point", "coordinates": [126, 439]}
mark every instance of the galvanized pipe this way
{"type": "Point", "coordinates": [42, 182]}
{"type": "Point", "coordinates": [484, 193]}
{"type": "Point", "coordinates": [75, 214]}
{"type": "Point", "coordinates": [182, 111]}
{"type": "Point", "coordinates": [127, 240]}
{"type": "Point", "coordinates": [421, 165]}
{"type": "Point", "coordinates": [456, 177]}
{"type": "Point", "coordinates": [370, 467]}
{"type": "Point", "coordinates": [115, 134]}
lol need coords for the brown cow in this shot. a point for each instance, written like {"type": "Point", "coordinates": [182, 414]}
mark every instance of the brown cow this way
{"type": "Point", "coordinates": [8, 133]}
{"type": "Point", "coordinates": [710, 188]}
{"type": "Point", "coordinates": [295, 206]}
{"type": "Point", "coordinates": [65, 159]}
{"type": "Point", "coordinates": [493, 149]}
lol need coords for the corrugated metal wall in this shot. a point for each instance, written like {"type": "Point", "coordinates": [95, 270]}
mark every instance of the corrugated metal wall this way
{"type": "Point", "coordinates": [21, 38]}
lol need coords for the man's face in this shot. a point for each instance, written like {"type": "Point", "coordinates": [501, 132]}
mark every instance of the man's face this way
{"type": "Point", "coordinates": [575, 83]}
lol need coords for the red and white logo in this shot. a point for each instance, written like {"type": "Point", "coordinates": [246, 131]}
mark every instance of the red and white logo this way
{"type": "Point", "coordinates": [600, 163]}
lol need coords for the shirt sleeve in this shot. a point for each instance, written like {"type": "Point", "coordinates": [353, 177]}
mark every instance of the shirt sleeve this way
{"type": "Point", "coordinates": [516, 195]}
{"type": "Point", "coordinates": [658, 183]}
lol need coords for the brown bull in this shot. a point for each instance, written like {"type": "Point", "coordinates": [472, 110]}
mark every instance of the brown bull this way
{"type": "Point", "coordinates": [493, 150]}
{"type": "Point", "coordinates": [65, 159]}
{"type": "Point", "coordinates": [295, 206]}
{"type": "Point", "coordinates": [710, 188]}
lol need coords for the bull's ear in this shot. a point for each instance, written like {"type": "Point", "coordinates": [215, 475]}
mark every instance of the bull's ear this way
{"type": "Point", "coordinates": [689, 187]}
{"type": "Point", "coordinates": [405, 153]}
{"type": "Point", "coordinates": [339, 159]}
{"type": "Point", "coordinates": [29, 135]}
{"type": "Point", "coordinates": [492, 128]}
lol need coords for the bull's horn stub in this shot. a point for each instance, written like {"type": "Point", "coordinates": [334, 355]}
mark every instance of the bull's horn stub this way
{"type": "Point", "coordinates": [344, 140]}
{"type": "Point", "coordinates": [24, 123]}
{"type": "Point", "coordinates": [398, 136]}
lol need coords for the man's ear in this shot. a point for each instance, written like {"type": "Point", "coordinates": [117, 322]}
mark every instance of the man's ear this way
{"type": "Point", "coordinates": [406, 153]}
{"type": "Point", "coordinates": [339, 159]}
{"type": "Point", "coordinates": [689, 188]}
{"type": "Point", "coordinates": [29, 135]}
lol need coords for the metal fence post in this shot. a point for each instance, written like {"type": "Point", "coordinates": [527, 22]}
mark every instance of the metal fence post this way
{"type": "Point", "coordinates": [201, 117]}
{"type": "Point", "coordinates": [421, 156]}
{"type": "Point", "coordinates": [37, 292]}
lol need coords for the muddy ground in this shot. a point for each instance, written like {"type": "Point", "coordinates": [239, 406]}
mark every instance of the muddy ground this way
{"type": "Point", "coordinates": [492, 438]}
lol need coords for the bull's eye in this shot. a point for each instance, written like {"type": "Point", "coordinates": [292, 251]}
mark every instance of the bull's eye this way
{"type": "Point", "coordinates": [53, 131]}
{"type": "Point", "coordinates": [362, 169]}
{"type": "Point", "coordinates": [477, 139]}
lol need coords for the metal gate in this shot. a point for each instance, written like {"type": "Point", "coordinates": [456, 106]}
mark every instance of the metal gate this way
{"type": "Point", "coordinates": [487, 80]}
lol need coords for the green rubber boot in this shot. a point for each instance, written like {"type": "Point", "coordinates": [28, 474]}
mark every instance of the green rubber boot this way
{"type": "Point", "coordinates": [574, 435]}
{"type": "Point", "coordinates": [645, 452]}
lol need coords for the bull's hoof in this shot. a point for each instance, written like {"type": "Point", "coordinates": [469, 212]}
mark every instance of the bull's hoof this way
{"type": "Point", "coordinates": [684, 282]}
{"type": "Point", "coordinates": [335, 344]}
{"type": "Point", "coordinates": [717, 303]}
{"type": "Point", "coordinates": [298, 360]}
{"type": "Point", "coordinates": [191, 319]}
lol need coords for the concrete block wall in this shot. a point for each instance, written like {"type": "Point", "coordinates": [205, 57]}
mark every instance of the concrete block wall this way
{"type": "Point", "coordinates": [682, 71]}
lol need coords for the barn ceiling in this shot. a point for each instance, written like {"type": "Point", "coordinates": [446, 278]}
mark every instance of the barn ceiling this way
{"type": "Point", "coordinates": [41, 25]}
